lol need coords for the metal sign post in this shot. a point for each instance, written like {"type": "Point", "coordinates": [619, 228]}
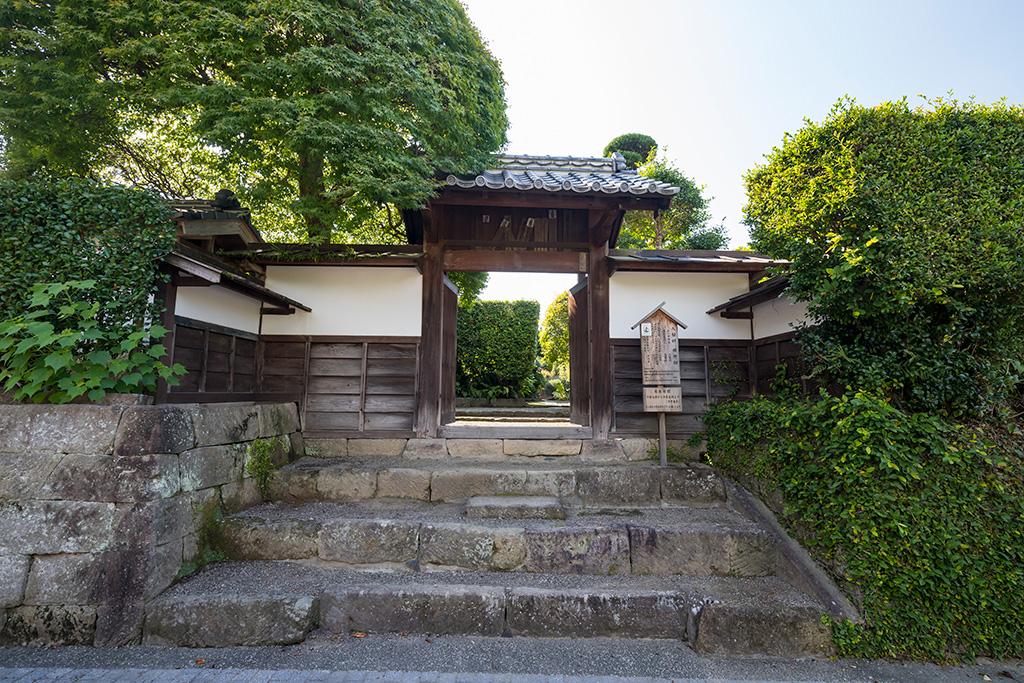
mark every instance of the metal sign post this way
{"type": "Point", "coordinates": [659, 358]}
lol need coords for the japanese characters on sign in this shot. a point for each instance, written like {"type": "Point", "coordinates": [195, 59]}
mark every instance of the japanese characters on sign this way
{"type": "Point", "coordinates": [659, 358]}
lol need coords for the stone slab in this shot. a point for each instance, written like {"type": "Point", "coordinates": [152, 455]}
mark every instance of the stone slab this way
{"type": "Point", "coordinates": [578, 551]}
{"type": "Point", "coordinates": [230, 620]}
{"type": "Point", "coordinates": [634, 614]}
{"type": "Point", "coordinates": [252, 538]}
{"type": "Point", "coordinates": [403, 482]}
{"type": "Point", "coordinates": [63, 579]}
{"type": "Point", "coordinates": [13, 575]}
{"type": "Point", "coordinates": [113, 479]}
{"type": "Point", "coordinates": [542, 447]}
{"type": "Point", "coordinates": [617, 485]}
{"type": "Point", "coordinates": [223, 423]}
{"type": "Point", "coordinates": [25, 473]}
{"type": "Point", "coordinates": [50, 625]}
{"type": "Point", "coordinates": [344, 484]}
{"type": "Point", "coordinates": [463, 483]}
{"type": "Point", "coordinates": [442, 610]}
{"type": "Point", "coordinates": [774, 630]}
{"type": "Point", "coordinates": [278, 418]}
{"type": "Point", "coordinates": [51, 527]}
{"type": "Point", "coordinates": [515, 507]}
{"type": "Point", "coordinates": [241, 495]}
{"type": "Point", "coordinates": [466, 546]}
{"type": "Point", "coordinates": [701, 552]}
{"type": "Point", "coordinates": [369, 541]}
{"type": "Point", "coordinates": [431, 449]}
{"type": "Point", "coordinates": [155, 429]}
{"type": "Point", "coordinates": [479, 449]}
{"type": "Point", "coordinates": [74, 428]}
{"type": "Point", "coordinates": [691, 483]}
{"type": "Point", "coordinates": [208, 466]}
{"type": "Point", "coordinates": [375, 448]}
{"type": "Point", "coordinates": [326, 448]}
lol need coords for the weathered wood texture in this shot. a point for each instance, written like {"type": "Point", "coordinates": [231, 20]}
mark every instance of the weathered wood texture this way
{"type": "Point", "coordinates": [449, 349]}
{"type": "Point", "coordinates": [348, 384]}
{"type": "Point", "coordinates": [711, 370]}
{"type": "Point", "coordinates": [534, 229]}
{"type": "Point", "coordinates": [579, 354]}
{"type": "Point", "coordinates": [220, 361]}
{"type": "Point", "coordinates": [771, 352]}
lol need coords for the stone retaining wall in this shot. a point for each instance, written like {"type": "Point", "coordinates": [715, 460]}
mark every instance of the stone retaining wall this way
{"type": "Point", "coordinates": [102, 507]}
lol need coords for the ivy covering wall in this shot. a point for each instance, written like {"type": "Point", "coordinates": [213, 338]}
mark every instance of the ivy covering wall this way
{"type": "Point", "coordinates": [74, 230]}
{"type": "Point", "coordinates": [497, 349]}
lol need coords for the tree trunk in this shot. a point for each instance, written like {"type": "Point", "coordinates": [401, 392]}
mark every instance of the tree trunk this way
{"type": "Point", "coordinates": [311, 191]}
{"type": "Point", "coordinates": [659, 231]}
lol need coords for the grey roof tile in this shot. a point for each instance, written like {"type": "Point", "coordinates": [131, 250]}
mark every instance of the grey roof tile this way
{"type": "Point", "coordinates": [604, 175]}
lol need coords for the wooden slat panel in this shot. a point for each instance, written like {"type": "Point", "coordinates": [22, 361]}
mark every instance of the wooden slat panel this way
{"type": "Point", "coordinates": [281, 383]}
{"type": "Point", "coordinates": [187, 382]}
{"type": "Point", "coordinates": [188, 338]}
{"type": "Point", "coordinates": [344, 403]}
{"type": "Point", "coordinates": [335, 367]}
{"type": "Point", "coordinates": [245, 348]}
{"type": "Point", "coordinates": [378, 367]}
{"type": "Point", "coordinates": [320, 350]}
{"type": "Point", "coordinates": [388, 421]}
{"type": "Point", "coordinates": [216, 381]}
{"type": "Point", "coordinates": [391, 351]}
{"type": "Point", "coordinates": [192, 359]}
{"type": "Point", "coordinates": [217, 362]}
{"type": "Point", "coordinates": [291, 367]}
{"type": "Point", "coordinates": [245, 383]}
{"type": "Point", "coordinates": [390, 404]}
{"type": "Point", "coordinates": [318, 420]}
{"type": "Point", "coordinates": [244, 365]}
{"type": "Point", "coordinates": [390, 385]}
{"type": "Point", "coordinates": [635, 404]}
{"type": "Point", "coordinates": [284, 350]}
{"type": "Point", "coordinates": [334, 385]}
{"type": "Point", "coordinates": [220, 342]}
{"type": "Point", "coordinates": [736, 353]}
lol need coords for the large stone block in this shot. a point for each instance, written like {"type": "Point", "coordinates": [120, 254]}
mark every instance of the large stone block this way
{"type": "Point", "coordinates": [542, 447]}
{"type": "Point", "coordinates": [230, 620]}
{"type": "Point", "coordinates": [63, 580]}
{"type": "Point", "coordinates": [15, 427]}
{"type": "Point", "coordinates": [635, 614]}
{"type": "Point", "coordinates": [463, 483]}
{"type": "Point", "coordinates": [113, 479]}
{"type": "Point", "coordinates": [155, 429]}
{"type": "Point", "coordinates": [278, 419]}
{"type": "Point", "coordinates": [221, 423]}
{"type": "Point", "coordinates": [375, 448]}
{"type": "Point", "coordinates": [515, 507]}
{"type": "Point", "coordinates": [296, 485]}
{"type": "Point", "coordinates": [616, 485]}
{"type": "Point", "coordinates": [701, 552]}
{"type": "Point", "coordinates": [367, 541]}
{"type": "Point", "coordinates": [691, 483]}
{"type": "Point", "coordinates": [13, 575]}
{"type": "Point", "coordinates": [480, 449]}
{"type": "Point", "coordinates": [403, 482]}
{"type": "Point", "coordinates": [472, 547]}
{"type": "Point", "coordinates": [50, 527]}
{"type": "Point", "coordinates": [344, 484]}
{"type": "Point", "coordinates": [241, 495]}
{"type": "Point", "coordinates": [578, 551]}
{"type": "Point", "coordinates": [24, 473]}
{"type": "Point", "coordinates": [75, 428]}
{"type": "Point", "coordinates": [164, 564]}
{"type": "Point", "coordinates": [252, 538]}
{"type": "Point", "coordinates": [326, 448]}
{"type": "Point", "coordinates": [602, 450]}
{"type": "Point", "coordinates": [638, 448]}
{"type": "Point", "coordinates": [433, 449]}
{"type": "Point", "coordinates": [758, 629]}
{"type": "Point", "coordinates": [50, 625]}
{"type": "Point", "coordinates": [211, 466]}
{"type": "Point", "coordinates": [444, 610]}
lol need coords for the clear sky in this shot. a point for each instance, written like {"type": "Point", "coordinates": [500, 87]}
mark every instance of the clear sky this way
{"type": "Point", "coordinates": [719, 82]}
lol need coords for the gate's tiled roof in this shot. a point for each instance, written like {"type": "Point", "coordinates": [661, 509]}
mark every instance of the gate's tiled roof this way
{"type": "Point", "coordinates": [605, 175]}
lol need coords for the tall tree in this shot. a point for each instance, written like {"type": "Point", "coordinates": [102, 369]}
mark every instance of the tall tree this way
{"type": "Point", "coordinates": [683, 226]}
{"type": "Point", "coordinates": [318, 111]}
{"type": "Point", "coordinates": [554, 336]}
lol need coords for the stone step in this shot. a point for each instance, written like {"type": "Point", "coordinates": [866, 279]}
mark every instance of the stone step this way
{"type": "Point", "coordinates": [515, 507]}
{"type": "Point", "coordinates": [275, 603]}
{"type": "Point", "coordinates": [577, 483]}
{"type": "Point", "coordinates": [411, 536]}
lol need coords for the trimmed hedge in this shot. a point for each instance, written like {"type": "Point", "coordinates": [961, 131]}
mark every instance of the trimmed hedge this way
{"type": "Point", "coordinates": [61, 230]}
{"type": "Point", "coordinates": [497, 349]}
{"type": "Point", "coordinates": [920, 519]}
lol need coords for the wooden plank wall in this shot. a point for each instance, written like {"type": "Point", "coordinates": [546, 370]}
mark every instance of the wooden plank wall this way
{"type": "Point", "coordinates": [711, 370]}
{"type": "Point", "coordinates": [769, 353]}
{"type": "Point", "coordinates": [349, 386]}
{"type": "Point", "coordinates": [221, 362]}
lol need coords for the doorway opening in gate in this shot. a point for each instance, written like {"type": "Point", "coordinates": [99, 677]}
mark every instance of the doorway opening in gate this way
{"type": "Point", "coordinates": [515, 337]}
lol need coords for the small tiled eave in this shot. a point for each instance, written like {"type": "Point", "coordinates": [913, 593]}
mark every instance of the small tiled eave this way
{"type": "Point", "coordinates": [765, 291]}
{"type": "Point", "coordinates": [205, 269]}
{"type": "Point", "coordinates": [691, 260]}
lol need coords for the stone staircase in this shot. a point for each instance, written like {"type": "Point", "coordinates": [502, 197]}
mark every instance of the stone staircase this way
{"type": "Point", "coordinates": [543, 546]}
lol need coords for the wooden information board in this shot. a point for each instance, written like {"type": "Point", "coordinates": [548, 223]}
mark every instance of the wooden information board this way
{"type": "Point", "coordinates": [659, 360]}
{"type": "Point", "coordinates": [663, 399]}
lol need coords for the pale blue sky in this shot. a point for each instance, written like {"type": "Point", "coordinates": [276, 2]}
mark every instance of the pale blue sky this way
{"type": "Point", "coordinates": [720, 82]}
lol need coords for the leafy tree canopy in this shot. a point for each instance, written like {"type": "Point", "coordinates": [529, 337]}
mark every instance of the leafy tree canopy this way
{"type": "Point", "coordinates": [470, 285]}
{"type": "Point", "coordinates": [683, 226]}
{"type": "Point", "coordinates": [905, 231]}
{"type": "Point", "coordinates": [319, 113]}
{"type": "Point", "coordinates": [634, 147]}
{"type": "Point", "coordinates": [554, 336]}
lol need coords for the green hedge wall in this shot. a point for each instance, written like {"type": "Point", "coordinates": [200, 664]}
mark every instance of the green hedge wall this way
{"type": "Point", "coordinates": [60, 230]}
{"type": "Point", "coordinates": [497, 349]}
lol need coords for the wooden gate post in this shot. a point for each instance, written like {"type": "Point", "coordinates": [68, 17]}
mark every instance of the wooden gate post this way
{"type": "Point", "coordinates": [428, 380]}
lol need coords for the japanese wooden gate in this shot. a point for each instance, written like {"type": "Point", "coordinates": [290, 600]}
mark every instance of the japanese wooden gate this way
{"type": "Point", "coordinates": [519, 231]}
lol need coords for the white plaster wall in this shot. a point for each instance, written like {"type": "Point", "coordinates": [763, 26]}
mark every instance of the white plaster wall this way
{"type": "Point", "coordinates": [687, 296]}
{"type": "Point", "coordinates": [218, 305]}
{"type": "Point", "coordinates": [347, 300]}
{"type": "Point", "coordinates": [778, 316]}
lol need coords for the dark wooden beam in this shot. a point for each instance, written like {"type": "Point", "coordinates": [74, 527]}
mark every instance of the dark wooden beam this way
{"type": "Point", "coordinates": [487, 260]}
{"type": "Point", "coordinates": [428, 379]}
{"type": "Point", "coordinates": [548, 200]}
{"type": "Point", "coordinates": [600, 343]}
{"type": "Point", "coordinates": [276, 311]}
{"type": "Point", "coordinates": [627, 264]}
{"type": "Point", "coordinates": [738, 315]}
{"type": "Point", "coordinates": [167, 295]}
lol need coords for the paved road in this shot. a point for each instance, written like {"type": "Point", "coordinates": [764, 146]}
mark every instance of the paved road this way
{"type": "Point", "coordinates": [455, 659]}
